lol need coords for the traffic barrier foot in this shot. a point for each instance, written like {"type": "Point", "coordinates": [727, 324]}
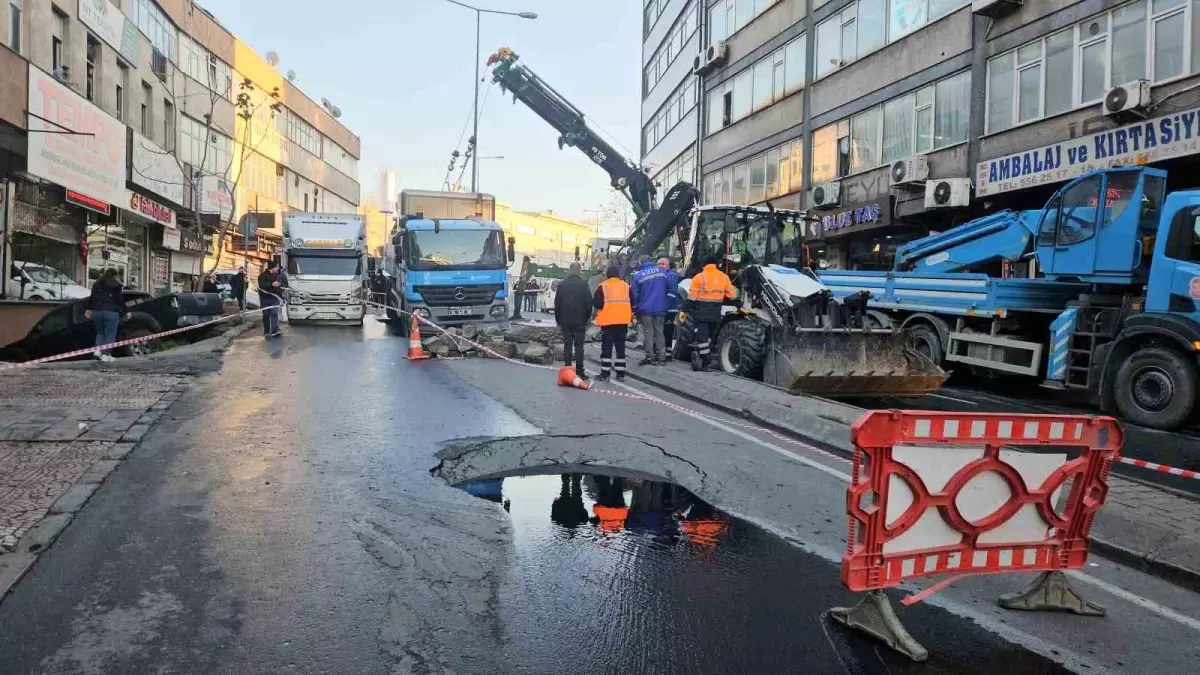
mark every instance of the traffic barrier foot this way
{"type": "Point", "coordinates": [874, 616]}
{"type": "Point", "coordinates": [1051, 591]}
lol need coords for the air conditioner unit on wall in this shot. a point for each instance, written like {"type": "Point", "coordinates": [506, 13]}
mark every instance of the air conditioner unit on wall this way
{"type": "Point", "coordinates": [945, 193]}
{"type": "Point", "coordinates": [711, 58]}
{"type": "Point", "coordinates": [909, 170]}
{"type": "Point", "coordinates": [826, 195]}
{"type": "Point", "coordinates": [1128, 101]}
{"type": "Point", "coordinates": [994, 8]}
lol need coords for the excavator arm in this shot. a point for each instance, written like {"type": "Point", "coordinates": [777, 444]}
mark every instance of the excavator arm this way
{"type": "Point", "coordinates": [655, 223]}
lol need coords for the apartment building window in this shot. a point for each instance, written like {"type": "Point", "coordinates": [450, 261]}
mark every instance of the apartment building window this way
{"type": "Point", "coordinates": [831, 152]}
{"type": "Point", "coordinates": [767, 175]}
{"type": "Point", "coordinates": [58, 39]}
{"type": "Point", "coordinates": [203, 147]}
{"type": "Point", "coordinates": [147, 110]}
{"type": "Point", "coordinates": [168, 125]}
{"type": "Point", "coordinates": [14, 24]}
{"type": "Point", "coordinates": [155, 25]}
{"type": "Point", "coordinates": [672, 46]}
{"type": "Point", "coordinates": [678, 105]}
{"type": "Point", "coordinates": [1076, 67]}
{"type": "Point", "coordinates": [653, 10]}
{"type": "Point", "coordinates": [727, 17]}
{"type": "Point", "coordinates": [682, 168]}
{"type": "Point", "coordinates": [197, 63]}
{"type": "Point", "coordinates": [93, 62]}
{"type": "Point", "coordinates": [865, 26]}
{"type": "Point", "coordinates": [767, 81]}
{"type": "Point", "coordinates": [122, 86]}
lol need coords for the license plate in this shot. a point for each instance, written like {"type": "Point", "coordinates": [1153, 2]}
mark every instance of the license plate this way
{"type": "Point", "coordinates": [325, 315]}
{"type": "Point", "coordinates": [458, 311]}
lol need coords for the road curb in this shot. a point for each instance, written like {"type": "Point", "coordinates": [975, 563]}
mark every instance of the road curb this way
{"type": "Point", "coordinates": [38, 538]}
{"type": "Point", "coordinates": [1175, 574]}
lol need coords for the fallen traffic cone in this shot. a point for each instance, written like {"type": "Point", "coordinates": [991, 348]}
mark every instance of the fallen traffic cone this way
{"type": "Point", "coordinates": [568, 378]}
{"type": "Point", "coordinates": [415, 351]}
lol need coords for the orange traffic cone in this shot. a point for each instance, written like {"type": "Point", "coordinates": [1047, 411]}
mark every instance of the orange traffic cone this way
{"type": "Point", "coordinates": [568, 378]}
{"type": "Point", "coordinates": [415, 351]}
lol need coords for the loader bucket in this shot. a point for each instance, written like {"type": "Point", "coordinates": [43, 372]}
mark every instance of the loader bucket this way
{"type": "Point", "coordinates": [848, 362]}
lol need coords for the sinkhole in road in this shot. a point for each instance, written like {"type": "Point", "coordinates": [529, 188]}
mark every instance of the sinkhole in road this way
{"type": "Point", "coordinates": [618, 570]}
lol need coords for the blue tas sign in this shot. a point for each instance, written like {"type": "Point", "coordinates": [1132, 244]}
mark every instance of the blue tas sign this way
{"type": "Point", "coordinates": [1138, 143]}
{"type": "Point", "coordinates": [856, 218]}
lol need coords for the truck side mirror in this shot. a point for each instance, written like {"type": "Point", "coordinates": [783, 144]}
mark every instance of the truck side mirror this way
{"type": "Point", "coordinates": [512, 249]}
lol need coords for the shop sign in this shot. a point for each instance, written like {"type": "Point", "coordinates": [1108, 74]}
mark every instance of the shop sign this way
{"type": "Point", "coordinates": [189, 242]}
{"type": "Point", "coordinates": [156, 170]}
{"type": "Point", "coordinates": [171, 238]}
{"type": "Point", "coordinates": [92, 159]}
{"type": "Point", "coordinates": [855, 218]}
{"type": "Point", "coordinates": [213, 197]}
{"type": "Point", "coordinates": [1133, 144]}
{"type": "Point", "coordinates": [112, 255]}
{"type": "Point", "coordinates": [150, 209]}
{"type": "Point", "coordinates": [110, 24]}
{"type": "Point", "coordinates": [88, 203]}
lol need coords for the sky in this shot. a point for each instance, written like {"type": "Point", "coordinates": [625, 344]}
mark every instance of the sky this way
{"type": "Point", "coordinates": [402, 72]}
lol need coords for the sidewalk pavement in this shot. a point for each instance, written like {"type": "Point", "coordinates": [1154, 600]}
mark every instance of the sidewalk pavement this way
{"type": "Point", "coordinates": [1155, 530]}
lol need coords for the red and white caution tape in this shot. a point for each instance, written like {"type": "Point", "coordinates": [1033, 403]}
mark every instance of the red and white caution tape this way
{"type": "Point", "coordinates": [6, 367]}
{"type": "Point", "coordinates": [1143, 464]}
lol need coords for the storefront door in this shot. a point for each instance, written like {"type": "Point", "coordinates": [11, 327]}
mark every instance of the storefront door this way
{"type": "Point", "coordinates": [121, 247]}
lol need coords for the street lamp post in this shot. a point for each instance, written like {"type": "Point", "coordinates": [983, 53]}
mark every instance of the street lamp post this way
{"type": "Point", "coordinates": [478, 57]}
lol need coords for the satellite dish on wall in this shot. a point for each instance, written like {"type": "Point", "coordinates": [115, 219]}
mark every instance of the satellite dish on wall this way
{"type": "Point", "coordinates": [291, 75]}
{"type": "Point", "coordinates": [325, 102]}
{"type": "Point", "coordinates": [335, 111]}
{"type": "Point", "coordinates": [272, 59]}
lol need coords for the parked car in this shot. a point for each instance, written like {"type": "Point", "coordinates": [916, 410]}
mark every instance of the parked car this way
{"type": "Point", "coordinates": [67, 328]}
{"type": "Point", "coordinates": [32, 281]}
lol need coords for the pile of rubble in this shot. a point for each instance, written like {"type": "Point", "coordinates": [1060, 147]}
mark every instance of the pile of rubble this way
{"type": "Point", "coordinates": [532, 343]}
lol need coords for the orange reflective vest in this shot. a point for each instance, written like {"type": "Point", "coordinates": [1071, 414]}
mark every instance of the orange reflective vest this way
{"type": "Point", "coordinates": [711, 285]}
{"type": "Point", "coordinates": [616, 311]}
{"type": "Point", "coordinates": [612, 518]}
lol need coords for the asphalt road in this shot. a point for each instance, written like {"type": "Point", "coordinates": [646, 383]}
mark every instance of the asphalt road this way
{"type": "Point", "coordinates": [284, 516]}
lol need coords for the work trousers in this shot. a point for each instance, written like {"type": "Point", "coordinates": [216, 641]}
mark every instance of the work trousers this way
{"type": "Point", "coordinates": [573, 337]}
{"type": "Point", "coordinates": [653, 341]}
{"type": "Point", "coordinates": [610, 337]}
{"type": "Point", "coordinates": [704, 333]}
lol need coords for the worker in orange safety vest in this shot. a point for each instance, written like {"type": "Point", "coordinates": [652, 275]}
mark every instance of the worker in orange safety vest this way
{"type": "Point", "coordinates": [610, 508]}
{"type": "Point", "coordinates": [707, 292]}
{"type": "Point", "coordinates": [613, 314]}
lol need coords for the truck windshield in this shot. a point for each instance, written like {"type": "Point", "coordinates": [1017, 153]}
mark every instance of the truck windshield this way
{"type": "Point", "coordinates": [328, 264]}
{"type": "Point", "coordinates": [455, 249]}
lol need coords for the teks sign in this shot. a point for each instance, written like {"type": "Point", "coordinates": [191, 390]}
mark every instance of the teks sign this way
{"type": "Point", "coordinates": [74, 143]}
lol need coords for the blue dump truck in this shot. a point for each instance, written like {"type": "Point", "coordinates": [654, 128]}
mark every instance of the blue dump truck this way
{"type": "Point", "coordinates": [1114, 313]}
{"type": "Point", "coordinates": [449, 266]}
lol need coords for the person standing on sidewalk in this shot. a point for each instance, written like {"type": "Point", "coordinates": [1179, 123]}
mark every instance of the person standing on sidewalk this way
{"type": "Point", "coordinates": [673, 303]}
{"type": "Point", "coordinates": [648, 288]}
{"type": "Point", "coordinates": [613, 314]}
{"type": "Point", "coordinates": [270, 297]}
{"type": "Point", "coordinates": [106, 308]}
{"type": "Point", "coordinates": [572, 309]}
{"type": "Point", "coordinates": [237, 288]}
{"type": "Point", "coordinates": [707, 293]}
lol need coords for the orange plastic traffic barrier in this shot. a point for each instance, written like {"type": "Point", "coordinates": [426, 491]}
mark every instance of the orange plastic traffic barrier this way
{"type": "Point", "coordinates": [937, 493]}
{"type": "Point", "coordinates": [568, 378]}
{"type": "Point", "coordinates": [415, 351]}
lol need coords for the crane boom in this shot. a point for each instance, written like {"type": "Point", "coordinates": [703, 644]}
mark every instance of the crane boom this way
{"type": "Point", "coordinates": [626, 177]}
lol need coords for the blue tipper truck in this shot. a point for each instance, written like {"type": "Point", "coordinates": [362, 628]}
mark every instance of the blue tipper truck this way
{"type": "Point", "coordinates": [447, 261]}
{"type": "Point", "coordinates": [1114, 313]}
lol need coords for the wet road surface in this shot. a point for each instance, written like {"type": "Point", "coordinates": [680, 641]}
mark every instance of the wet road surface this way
{"type": "Point", "coordinates": [633, 575]}
{"type": "Point", "coordinates": [283, 516]}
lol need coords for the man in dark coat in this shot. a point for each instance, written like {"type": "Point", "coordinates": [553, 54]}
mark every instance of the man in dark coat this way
{"type": "Point", "coordinates": [572, 310]}
{"type": "Point", "coordinates": [270, 297]}
{"type": "Point", "coordinates": [237, 288]}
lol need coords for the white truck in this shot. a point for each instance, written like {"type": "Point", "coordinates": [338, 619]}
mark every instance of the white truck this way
{"type": "Point", "coordinates": [325, 258]}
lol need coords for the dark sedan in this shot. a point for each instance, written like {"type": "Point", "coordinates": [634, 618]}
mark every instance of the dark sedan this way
{"type": "Point", "coordinates": [67, 328]}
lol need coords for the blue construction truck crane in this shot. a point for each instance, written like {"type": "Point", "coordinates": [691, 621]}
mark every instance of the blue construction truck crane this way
{"type": "Point", "coordinates": [1113, 314]}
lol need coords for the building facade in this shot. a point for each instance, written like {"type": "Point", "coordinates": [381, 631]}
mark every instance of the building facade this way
{"type": "Point", "coordinates": [125, 142]}
{"type": "Point", "coordinates": [546, 237]}
{"type": "Point", "coordinates": [891, 119]}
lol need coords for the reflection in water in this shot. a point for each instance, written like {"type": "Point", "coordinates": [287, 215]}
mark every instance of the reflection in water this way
{"type": "Point", "coordinates": [633, 575]}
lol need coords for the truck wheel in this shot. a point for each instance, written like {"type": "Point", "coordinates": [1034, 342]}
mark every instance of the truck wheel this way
{"type": "Point", "coordinates": [742, 348]}
{"type": "Point", "coordinates": [927, 341]}
{"type": "Point", "coordinates": [1156, 388]}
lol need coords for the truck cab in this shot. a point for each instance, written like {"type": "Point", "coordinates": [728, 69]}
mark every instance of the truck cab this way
{"type": "Point", "coordinates": [451, 271]}
{"type": "Point", "coordinates": [325, 256]}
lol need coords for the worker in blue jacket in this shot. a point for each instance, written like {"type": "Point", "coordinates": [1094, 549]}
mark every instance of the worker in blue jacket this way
{"type": "Point", "coordinates": [664, 264]}
{"type": "Point", "coordinates": [649, 289]}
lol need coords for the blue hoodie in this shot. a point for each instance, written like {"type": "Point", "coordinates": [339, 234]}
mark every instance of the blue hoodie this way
{"type": "Point", "coordinates": [649, 288]}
